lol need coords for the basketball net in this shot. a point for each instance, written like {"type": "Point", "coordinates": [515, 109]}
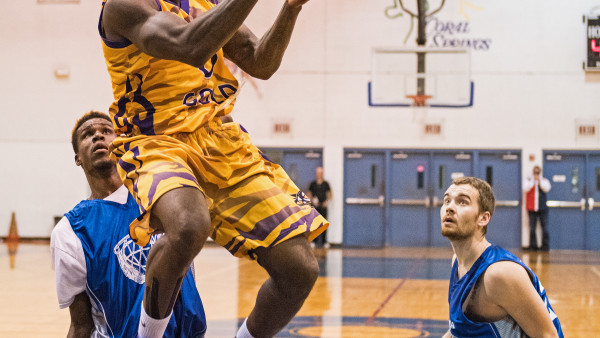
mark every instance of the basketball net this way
{"type": "Point", "coordinates": [419, 100]}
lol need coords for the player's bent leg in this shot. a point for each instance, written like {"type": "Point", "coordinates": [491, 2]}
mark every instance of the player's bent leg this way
{"type": "Point", "coordinates": [182, 214]}
{"type": "Point", "coordinates": [293, 270]}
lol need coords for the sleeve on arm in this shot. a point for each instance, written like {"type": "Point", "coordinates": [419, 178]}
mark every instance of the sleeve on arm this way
{"type": "Point", "coordinates": [545, 184]}
{"type": "Point", "coordinates": [69, 263]}
{"type": "Point", "coordinates": [527, 184]}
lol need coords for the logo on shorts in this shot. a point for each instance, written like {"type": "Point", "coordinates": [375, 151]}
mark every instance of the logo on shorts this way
{"type": "Point", "coordinates": [301, 199]}
{"type": "Point", "coordinates": [132, 257]}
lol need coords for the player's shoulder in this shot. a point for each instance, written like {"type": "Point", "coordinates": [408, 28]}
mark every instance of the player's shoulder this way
{"type": "Point", "coordinates": [505, 274]}
{"type": "Point", "coordinates": [63, 237]}
{"type": "Point", "coordinates": [62, 227]}
{"type": "Point", "coordinates": [123, 9]}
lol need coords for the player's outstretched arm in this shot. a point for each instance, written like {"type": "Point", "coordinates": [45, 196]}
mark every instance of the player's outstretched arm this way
{"type": "Point", "coordinates": [507, 284]}
{"type": "Point", "coordinates": [167, 36]}
{"type": "Point", "coordinates": [82, 323]}
{"type": "Point", "coordinates": [261, 58]}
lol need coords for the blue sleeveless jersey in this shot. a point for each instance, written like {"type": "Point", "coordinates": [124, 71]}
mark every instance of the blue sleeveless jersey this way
{"type": "Point", "coordinates": [461, 326]}
{"type": "Point", "coordinates": [116, 272]}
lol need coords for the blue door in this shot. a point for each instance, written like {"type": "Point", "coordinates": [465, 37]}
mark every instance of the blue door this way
{"type": "Point", "coordinates": [446, 167]}
{"type": "Point", "coordinates": [409, 199]}
{"type": "Point", "coordinates": [364, 191]}
{"type": "Point", "coordinates": [502, 170]}
{"type": "Point", "coordinates": [593, 206]}
{"type": "Point", "coordinates": [300, 165]}
{"type": "Point", "coordinates": [566, 199]}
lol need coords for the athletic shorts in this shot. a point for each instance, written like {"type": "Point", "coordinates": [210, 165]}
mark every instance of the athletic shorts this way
{"type": "Point", "coordinates": [252, 201]}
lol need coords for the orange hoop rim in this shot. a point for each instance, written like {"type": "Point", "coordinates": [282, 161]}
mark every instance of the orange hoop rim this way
{"type": "Point", "coordinates": [419, 100]}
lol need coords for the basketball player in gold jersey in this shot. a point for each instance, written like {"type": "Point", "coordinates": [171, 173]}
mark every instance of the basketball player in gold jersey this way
{"type": "Point", "coordinates": [192, 174]}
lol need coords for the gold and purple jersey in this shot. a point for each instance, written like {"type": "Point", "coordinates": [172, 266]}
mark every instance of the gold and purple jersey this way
{"type": "Point", "coordinates": [156, 96]}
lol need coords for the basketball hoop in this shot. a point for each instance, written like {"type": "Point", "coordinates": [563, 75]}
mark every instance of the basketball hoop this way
{"type": "Point", "coordinates": [419, 100]}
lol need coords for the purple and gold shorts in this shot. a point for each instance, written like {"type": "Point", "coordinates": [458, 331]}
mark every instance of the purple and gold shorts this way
{"type": "Point", "coordinates": [252, 202]}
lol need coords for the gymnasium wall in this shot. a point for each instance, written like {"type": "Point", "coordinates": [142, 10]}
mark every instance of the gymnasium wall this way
{"type": "Point", "coordinates": [526, 65]}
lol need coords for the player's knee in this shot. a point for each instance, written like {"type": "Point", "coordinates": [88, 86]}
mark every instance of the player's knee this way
{"type": "Point", "coordinates": [303, 277]}
{"type": "Point", "coordinates": [190, 230]}
{"type": "Point", "coordinates": [310, 273]}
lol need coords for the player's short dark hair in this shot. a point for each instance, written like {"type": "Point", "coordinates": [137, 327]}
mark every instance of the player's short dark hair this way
{"type": "Point", "coordinates": [92, 114]}
{"type": "Point", "coordinates": [486, 201]}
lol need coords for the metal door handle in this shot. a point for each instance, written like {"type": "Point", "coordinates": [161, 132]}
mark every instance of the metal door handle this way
{"type": "Point", "coordinates": [366, 201]}
{"type": "Point", "coordinates": [356, 200]}
{"type": "Point", "coordinates": [436, 201]}
{"type": "Point", "coordinates": [592, 204]}
{"type": "Point", "coordinates": [399, 201]}
{"type": "Point", "coordinates": [509, 203]}
{"type": "Point", "coordinates": [567, 204]}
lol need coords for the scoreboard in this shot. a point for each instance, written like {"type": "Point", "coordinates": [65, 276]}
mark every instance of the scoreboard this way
{"type": "Point", "coordinates": [593, 43]}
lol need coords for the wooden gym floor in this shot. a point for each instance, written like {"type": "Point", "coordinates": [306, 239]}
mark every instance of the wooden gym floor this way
{"type": "Point", "coordinates": [394, 292]}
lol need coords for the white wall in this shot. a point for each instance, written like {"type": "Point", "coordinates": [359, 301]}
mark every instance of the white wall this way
{"type": "Point", "coordinates": [38, 176]}
{"type": "Point", "coordinates": [529, 90]}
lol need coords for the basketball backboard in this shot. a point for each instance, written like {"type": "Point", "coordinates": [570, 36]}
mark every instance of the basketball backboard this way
{"type": "Point", "coordinates": [397, 79]}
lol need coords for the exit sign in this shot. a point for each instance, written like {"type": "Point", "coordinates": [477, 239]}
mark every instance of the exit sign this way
{"type": "Point", "coordinates": [281, 128]}
{"type": "Point", "coordinates": [586, 129]}
{"type": "Point", "coordinates": [433, 129]}
{"type": "Point", "coordinates": [593, 43]}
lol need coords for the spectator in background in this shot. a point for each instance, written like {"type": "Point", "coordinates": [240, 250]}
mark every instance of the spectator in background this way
{"type": "Point", "coordinates": [536, 187]}
{"type": "Point", "coordinates": [319, 193]}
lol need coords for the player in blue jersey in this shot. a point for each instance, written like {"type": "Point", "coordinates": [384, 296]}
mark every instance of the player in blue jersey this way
{"type": "Point", "coordinates": [492, 293]}
{"type": "Point", "coordinates": [99, 269]}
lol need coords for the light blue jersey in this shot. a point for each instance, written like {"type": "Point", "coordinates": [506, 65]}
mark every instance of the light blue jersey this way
{"type": "Point", "coordinates": [116, 272]}
{"type": "Point", "coordinates": [463, 327]}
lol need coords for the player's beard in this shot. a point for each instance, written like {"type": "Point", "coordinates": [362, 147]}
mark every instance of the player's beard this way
{"type": "Point", "coordinates": [104, 168]}
{"type": "Point", "coordinates": [459, 232]}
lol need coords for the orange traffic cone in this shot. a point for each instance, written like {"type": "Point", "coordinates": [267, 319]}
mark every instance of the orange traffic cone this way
{"type": "Point", "coordinates": [12, 240]}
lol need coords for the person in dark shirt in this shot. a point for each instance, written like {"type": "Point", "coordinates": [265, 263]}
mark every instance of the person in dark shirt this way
{"type": "Point", "coordinates": [319, 193]}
